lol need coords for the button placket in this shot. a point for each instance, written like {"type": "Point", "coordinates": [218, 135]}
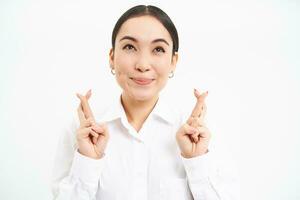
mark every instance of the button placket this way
{"type": "Point", "coordinates": [140, 169]}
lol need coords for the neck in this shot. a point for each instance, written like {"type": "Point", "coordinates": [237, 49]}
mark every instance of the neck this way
{"type": "Point", "coordinates": [137, 111]}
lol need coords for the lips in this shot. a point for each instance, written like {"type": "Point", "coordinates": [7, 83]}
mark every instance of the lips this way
{"type": "Point", "coordinates": [142, 81]}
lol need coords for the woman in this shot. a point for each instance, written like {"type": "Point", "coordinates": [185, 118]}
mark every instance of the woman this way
{"type": "Point", "coordinates": [143, 149]}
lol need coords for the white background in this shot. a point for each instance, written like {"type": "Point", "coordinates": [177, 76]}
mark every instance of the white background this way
{"type": "Point", "coordinates": [245, 53]}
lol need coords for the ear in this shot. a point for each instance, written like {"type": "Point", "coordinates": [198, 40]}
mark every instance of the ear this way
{"type": "Point", "coordinates": [111, 58]}
{"type": "Point", "coordinates": [174, 61]}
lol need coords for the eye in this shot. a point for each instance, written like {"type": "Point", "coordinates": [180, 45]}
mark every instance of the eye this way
{"type": "Point", "coordinates": [128, 47]}
{"type": "Point", "coordinates": [159, 50]}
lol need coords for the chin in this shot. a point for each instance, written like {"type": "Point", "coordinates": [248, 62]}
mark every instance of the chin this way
{"type": "Point", "coordinates": [143, 96]}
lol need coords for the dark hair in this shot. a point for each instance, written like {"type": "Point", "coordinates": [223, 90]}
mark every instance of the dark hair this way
{"type": "Point", "coordinates": [142, 10]}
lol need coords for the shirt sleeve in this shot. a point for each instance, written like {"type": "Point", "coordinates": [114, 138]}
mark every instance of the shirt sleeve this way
{"type": "Point", "coordinates": [214, 175]}
{"type": "Point", "coordinates": [74, 176]}
{"type": "Point", "coordinates": [211, 177]}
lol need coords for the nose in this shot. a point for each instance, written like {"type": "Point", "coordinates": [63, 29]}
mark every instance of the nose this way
{"type": "Point", "coordinates": [142, 64]}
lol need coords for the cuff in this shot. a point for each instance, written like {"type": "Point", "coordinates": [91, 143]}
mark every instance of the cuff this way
{"type": "Point", "coordinates": [86, 169]}
{"type": "Point", "coordinates": [197, 168]}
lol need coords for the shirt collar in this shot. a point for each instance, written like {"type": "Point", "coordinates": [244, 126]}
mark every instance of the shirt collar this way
{"type": "Point", "coordinates": [115, 111]}
{"type": "Point", "coordinates": [164, 111]}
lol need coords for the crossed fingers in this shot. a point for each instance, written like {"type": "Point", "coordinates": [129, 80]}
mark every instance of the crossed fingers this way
{"type": "Point", "coordinates": [196, 119]}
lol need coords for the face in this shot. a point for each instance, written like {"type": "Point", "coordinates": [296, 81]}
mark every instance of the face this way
{"type": "Point", "coordinates": [142, 58]}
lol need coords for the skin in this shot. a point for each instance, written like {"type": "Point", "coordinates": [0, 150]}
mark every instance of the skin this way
{"type": "Point", "coordinates": [193, 137]}
{"type": "Point", "coordinates": [143, 49]}
{"type": "Point", "coordinates": [91, 137]}
{"type": "Point", "coordinates": [139, 56]}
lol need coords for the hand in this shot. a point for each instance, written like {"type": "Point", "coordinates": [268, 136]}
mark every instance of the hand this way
{"type": "Point", "coordinates": [92, 138]}
{"type": "Point", "coordinates": [193, 137]}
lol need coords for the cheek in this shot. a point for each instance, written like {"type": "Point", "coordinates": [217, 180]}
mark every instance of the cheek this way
{"type": "Point", "coordinates": [164, 68]}
{"type": "Point", "coordinates": [124, 61]}
{"type": "Point", "coordinates": [123, 64]}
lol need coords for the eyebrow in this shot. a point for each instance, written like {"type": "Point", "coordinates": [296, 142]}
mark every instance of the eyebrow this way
{"type": "Point", "coordinates": [135, 40]}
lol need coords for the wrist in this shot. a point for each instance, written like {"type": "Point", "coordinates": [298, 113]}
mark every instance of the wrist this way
{"type": "Point", "coordinates": [194, 155]}
{"type": "Point", "coordinates": [95, 155]}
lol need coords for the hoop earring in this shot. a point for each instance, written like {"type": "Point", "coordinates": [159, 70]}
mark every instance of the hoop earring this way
{"type": "Point", "coordinates": [113, 71]}
{"type": "Point", "coordinates": [171, 74]}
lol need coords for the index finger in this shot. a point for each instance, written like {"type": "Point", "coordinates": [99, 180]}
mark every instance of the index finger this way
{"type": "Point", "coordinates": [85, 105]}
{"type": "Point", "coordinates": [80, 115]}
{"type": "Point", "coordinates": [197, 111]}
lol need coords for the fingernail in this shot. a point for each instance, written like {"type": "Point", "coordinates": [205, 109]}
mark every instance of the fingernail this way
{"type": "Point", "coordinates": [78, 95]}
{"type": "Point", "coordinates": [206, 93]}
{"type": "Point", "coordinates": [196, 91]}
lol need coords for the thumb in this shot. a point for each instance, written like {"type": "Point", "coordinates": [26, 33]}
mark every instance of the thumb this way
{"type": "Point", "coordinates": [188, 130]}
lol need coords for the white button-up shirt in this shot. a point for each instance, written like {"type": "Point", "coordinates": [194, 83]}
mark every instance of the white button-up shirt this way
{"type": "Point", "coordinates": [144, 165]}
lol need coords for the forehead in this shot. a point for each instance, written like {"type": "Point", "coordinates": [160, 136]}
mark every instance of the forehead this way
{"type": "Point", "coordinates": [144, 28]}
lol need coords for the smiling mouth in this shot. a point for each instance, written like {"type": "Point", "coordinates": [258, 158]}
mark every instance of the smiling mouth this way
{"type": "Point", "coordinates": [142, 81]}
